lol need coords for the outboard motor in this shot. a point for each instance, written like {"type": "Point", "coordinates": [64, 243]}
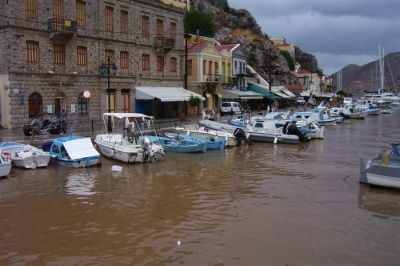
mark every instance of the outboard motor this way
{"type": "Point", "coordinates": [290, 128]}
{"type": "Point", "coordinates": [240, 136]}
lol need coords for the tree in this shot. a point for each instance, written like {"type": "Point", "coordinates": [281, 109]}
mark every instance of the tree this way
{"type": "Point", "coordinates": [289, 59]}
{"type": "Point", "coordinates": [195, 101]}
{"type": "Point", "coordinates": [201, 22]}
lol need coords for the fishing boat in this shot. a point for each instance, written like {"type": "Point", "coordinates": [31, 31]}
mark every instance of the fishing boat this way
{"type": "Point", "coordinates": [179, 143]}
{"type": "Point", "coordinates": [129, 146]}
{"type": "Point", "coordinates": [383, 169]}
{"type": "Point", "coordinates": [24, 155]}
{"type": "Point", "coordinates": [72, 151]}
{"type": "Point", "coordinates": [5, 165]}
{"type": "Point", "coordinates": [230, 140]}
{"type": "Point", "coordinates": [213, 143]}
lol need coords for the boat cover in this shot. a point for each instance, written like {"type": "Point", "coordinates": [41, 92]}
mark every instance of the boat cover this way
{"type": "Point", "coordinates": [80, 148]}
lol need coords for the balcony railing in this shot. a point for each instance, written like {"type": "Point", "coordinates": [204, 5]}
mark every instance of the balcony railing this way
{"type": "Point", "coordinates": [163, 44]}
{"type": "Point", "coordinates": [61, 30]}
{"type": "Point", "coordinates": [60, 24]}
{"type": "Point", "coordinates": [212, 78]}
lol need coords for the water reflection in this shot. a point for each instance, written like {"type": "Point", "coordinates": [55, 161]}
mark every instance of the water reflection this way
{"type": "Point", "coordinates": [81, 184]}
{"type": "Point", "coordinates": [379, 201]}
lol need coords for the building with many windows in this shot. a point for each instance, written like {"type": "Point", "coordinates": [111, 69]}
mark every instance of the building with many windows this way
{"type": "Point", "coordinates": [52, 51]}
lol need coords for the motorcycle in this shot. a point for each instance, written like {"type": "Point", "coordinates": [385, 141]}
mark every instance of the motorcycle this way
{"type": "Point", "coordinates": [52, 126]}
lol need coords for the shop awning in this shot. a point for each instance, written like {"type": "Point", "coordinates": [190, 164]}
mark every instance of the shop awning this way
{"type": "Point", "coordinates": [242, 95]}
{"type": "Point", "coordinates": [264, 92]}
{"type": "Point", "coordinates": [165, 94]}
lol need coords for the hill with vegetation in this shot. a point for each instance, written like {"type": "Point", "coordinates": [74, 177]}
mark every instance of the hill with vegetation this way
{"type": "Point", "coordinates": [239, 26]}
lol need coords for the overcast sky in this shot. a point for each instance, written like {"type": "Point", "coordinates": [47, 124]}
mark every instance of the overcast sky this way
{"type": "Point", "coordinates": [337, 32]}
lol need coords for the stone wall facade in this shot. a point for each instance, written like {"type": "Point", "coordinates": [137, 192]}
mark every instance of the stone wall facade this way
{"type": "Point", "coordinates": [54, 81]}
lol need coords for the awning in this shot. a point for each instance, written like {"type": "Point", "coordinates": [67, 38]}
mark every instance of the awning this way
{"type": "Point", "coordinates": [165, 94]}
{"type": "Point", "coordinates": [264, 92]}
{"type": "Point", "coordinates": [243, 95]}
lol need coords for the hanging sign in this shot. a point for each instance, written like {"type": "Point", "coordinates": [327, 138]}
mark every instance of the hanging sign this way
{"type": "Point", "coordinates": [87, 94]}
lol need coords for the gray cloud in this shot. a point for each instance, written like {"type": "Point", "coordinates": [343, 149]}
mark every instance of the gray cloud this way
{"type": "Point", "coordinates": [341, 29]}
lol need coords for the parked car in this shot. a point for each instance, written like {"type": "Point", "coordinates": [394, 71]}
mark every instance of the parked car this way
{"type": "Point", "coordinates": [300, 101]}
{"type": "Point", "coordinates": [231, 108]}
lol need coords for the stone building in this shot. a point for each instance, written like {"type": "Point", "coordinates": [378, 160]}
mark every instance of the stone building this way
{"type": "Point", "coordinates": [75, 56]}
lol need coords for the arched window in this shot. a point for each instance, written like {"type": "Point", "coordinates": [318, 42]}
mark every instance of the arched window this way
{"type": "Point", "coordinates": [35, 105]}
{"type": "Point", "coordinates": [83, 105]}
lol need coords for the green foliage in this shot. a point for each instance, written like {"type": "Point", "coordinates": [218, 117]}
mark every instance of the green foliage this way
{"type": "Point", "coordinates": [194, 101]}
{"type": "Point", "coordinates": [196, 20]}
{"type": "Point", "coordinates": [344, 94]}
{"type": "Point", "coordinates": [289, 59]}
{"type": "Point", "coordinates": [209, 88]}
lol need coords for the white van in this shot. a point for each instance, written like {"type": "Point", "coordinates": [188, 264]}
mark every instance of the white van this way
{"type": "Point", "coordinates": [231, 108]}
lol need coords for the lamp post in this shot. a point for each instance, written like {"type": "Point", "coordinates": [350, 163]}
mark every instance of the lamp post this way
{"type": "Point", "coordinates": [269, 76]}
{"type": "Point", "coordinates": [105, 68]}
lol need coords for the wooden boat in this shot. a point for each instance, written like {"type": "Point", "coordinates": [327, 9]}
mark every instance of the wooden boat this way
{"type": "Point", "coordinates": [383, 169]}
{"type": "Point", "coordinates": [179, 144]}
{"type": "Point", "coordinates": [209, 133]}
{"type": "Point", "coordinates": [72, 151]}
{"type": "Point", "coordinates": [24, 155]}
{"type": "Point", "coordinates": [213, 143]}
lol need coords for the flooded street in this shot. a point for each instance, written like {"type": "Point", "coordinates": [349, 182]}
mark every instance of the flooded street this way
{"type": "Point", "coordinates": [252, 205]}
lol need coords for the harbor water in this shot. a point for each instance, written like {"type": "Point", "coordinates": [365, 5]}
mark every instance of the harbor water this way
{"type": "Point", "coordinates": [259, 204]}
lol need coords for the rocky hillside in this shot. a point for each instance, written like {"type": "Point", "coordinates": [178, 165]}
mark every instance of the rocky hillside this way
{"type": "Point", "coordinates": [239, 26]}
{"type": "Point", "coordinates": [356, 79]}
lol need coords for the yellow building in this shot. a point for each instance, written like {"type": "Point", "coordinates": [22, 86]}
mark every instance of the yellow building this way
{"type": "Point", "coordinates": [178, 3]}
{"type": "Point", "coordinates": [208, 72]}
{"type": "Point", "coordinates": [283, 45]}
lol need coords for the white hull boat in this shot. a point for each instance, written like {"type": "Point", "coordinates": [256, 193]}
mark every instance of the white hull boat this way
{"type": "Point", "coordinates": [5, 165]}
{"type": "Point", "coordinates": [383, 169]}
{"type": "Point", "coordinates": [25, 156]}
{"type": "Point", "coordinates": [129, 149]}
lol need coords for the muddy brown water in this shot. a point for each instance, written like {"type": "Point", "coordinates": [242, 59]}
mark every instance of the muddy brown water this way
{"type": "Point", "coordinates": [251, 205]}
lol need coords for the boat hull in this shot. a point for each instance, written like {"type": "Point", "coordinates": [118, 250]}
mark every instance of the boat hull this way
{"type": "Point", "coordinates": [271, 138]}
{"type": "Point", "coordinates": [32, 162]}
{"type": "Point", "coordinates": [380, 175]}
{"type": "Point", "coordinates": [5, 169]}
{"type": "Point", "coordinates": [86, 162]}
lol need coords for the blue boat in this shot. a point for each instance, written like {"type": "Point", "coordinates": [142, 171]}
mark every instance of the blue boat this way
{"type": "Point", "coordinates": [213, 143]}
{"type": "Point", "coordinates": [180, 144]}
{"type": "Point", "coordinates": [72, 151]}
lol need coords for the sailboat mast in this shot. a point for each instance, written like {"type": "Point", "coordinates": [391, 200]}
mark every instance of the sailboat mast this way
{"type": "Point", "coordinates": [381, 69]}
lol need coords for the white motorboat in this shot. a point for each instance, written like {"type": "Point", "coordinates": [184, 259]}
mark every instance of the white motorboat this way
{"type": "Point", "coordinates": [126, 147]}
{"type": "Point", "coordinates": [383, 169]}
{"type": "Point", "coordinates": [308, 127]}
{"type": "Point", "coordinates": [24, 155]}
{"type": "Point", "coordinates": [267, 131]}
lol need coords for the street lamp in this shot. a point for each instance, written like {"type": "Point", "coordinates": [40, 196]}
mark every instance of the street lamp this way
{"type": "Point", "coordinates": [269, 76]}
{"type": "Point", "coordinates": [105, 69]}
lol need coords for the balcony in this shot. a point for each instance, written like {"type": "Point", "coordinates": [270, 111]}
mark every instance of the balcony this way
{"type": "Point", "coordinates": [241, 72]}
{"type": "Point", "coordinates": [61, 30]}
{"type": "Point", "coordinates": [163, 44]}
{"type": "Point", "coordinates": [212, 78]}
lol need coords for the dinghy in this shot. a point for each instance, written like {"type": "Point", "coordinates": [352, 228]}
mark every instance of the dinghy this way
{"type": "Point", "coordinates": [24, 155]}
